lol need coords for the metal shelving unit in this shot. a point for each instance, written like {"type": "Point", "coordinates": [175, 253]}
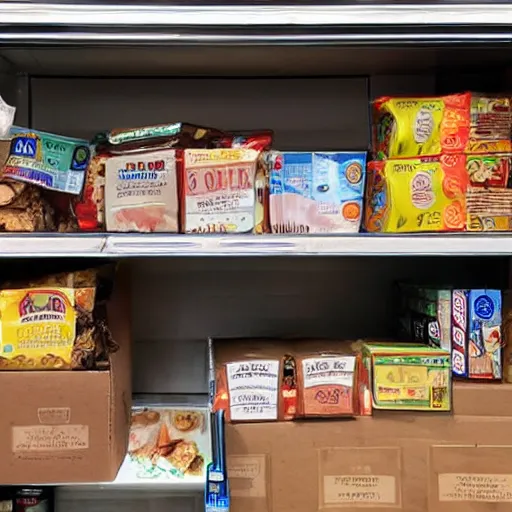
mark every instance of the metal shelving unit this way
{"type": "Point", "coordinates": [390, 48]}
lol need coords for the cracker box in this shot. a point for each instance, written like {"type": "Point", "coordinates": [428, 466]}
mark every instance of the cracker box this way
{"type": "Point", "coordinates": [459, 123]}
{"type": "Point", "coordinates": [407, 376]}
{"type": "Point", "coordinates": [416, 195]}
{"type": "Point", "coordinates": [476, 334]}
{"type": "Point", "coordinates": [316, 192]}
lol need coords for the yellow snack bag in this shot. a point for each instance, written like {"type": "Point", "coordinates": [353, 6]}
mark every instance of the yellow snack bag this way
{"type": "Point", "coordinates": [417, 194]}
{"type": "Point", "coordinates": [37, 327]}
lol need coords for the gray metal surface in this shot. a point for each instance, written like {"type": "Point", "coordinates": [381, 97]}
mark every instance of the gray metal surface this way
{"type": "Point", "coordinates": [96, 15]}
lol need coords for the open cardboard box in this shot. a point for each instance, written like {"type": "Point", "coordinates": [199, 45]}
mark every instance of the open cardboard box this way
{"type": "Point", "coordinates": [69, 426]}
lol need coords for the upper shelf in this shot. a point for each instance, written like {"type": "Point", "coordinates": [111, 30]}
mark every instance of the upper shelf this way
{"type": "Point", "coordinates": [58, 23]}
{"type": "Point", "coordinates": [121, 245]}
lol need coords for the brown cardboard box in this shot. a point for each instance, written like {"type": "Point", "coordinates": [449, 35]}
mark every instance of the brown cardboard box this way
{"type": "Point", "coordinates": [69, 426]}
{"type": "Point", "coordinates": [416, 462]}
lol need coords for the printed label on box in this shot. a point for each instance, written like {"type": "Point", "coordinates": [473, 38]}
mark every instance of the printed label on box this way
{"type": "Point", "coordinates": [475, 487]}
{"type": "Point", "coordinates": [359, 489]}
{"type": "Point", "coordinates": [247, 476]}
{"type": "Point", "coordinates": [50, 438]}
{"type": "Point", "coordinates": [54, 415]}
{"type": "Point", "coordinates": [253, 389]}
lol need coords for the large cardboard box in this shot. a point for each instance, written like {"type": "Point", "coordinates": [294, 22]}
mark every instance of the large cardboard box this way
{"type": "Point", "coordinates": [69, 426]}
{"type": "Point", "coordinates": [415, 462]}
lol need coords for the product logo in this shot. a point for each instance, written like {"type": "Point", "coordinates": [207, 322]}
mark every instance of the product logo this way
{"type": "Point", "coordinates": [458, 337]}
{"type": "Point", "coordinates": [212, 180]}
{"type": "Point", "coordinates": [423, 126]}
{"type": "Point", "coordinates": [142, 170]}
{"type": "Point", "coordinates": [80, 158]}
{"type": "Point", "coordinates": [484, 307]}
{"type": "Point", "coordinates": [434, 331]}
{"type": "Point", "coordinates": [24, 146]}
{"type": "Point", "coordinates": [42, 306]}
{"type": "Point", "coordinates": [422, 195]}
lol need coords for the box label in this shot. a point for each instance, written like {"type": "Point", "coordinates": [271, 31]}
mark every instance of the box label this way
{"type": "Point", "coordinates": [253, 389]}
{"type": "Point", "coordinates": [475, 487]}
{"type": "Point", "coordinates": [359, 489]}
{"type": "Point", "coordinates": [50, 438]}
{"type": "Point", "coordinates": [328, 385]}
{"type": "Point", "coordinates": [54, 415]}
{"type": "Point", "coordinates": [247, 476]}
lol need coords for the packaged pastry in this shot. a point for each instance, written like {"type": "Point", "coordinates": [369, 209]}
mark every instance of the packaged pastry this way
{"type": "Point", "coordinates": [54, 323]}
{"type": "Point", "coordinates": [247, 380]}
{"type": "Point", "coordinates": [316, 192]}
{"type": "Point", "coordinates": [416, 194]}
{"type": "Point", "coordinates": [407, 376]}
{"type": "Point", "coordinates": [458, 123]}
{"type": "Point", "coordinates": [326, 385]}
{"type": "Point", "coordinates": [49, 161]}
{"type": "Point", "coordinates": [224, 191]}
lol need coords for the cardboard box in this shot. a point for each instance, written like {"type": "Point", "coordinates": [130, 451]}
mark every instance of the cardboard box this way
{"type": "Point", "coordinates": [69, 426]}
{"type": "Point", "coordinates": [415, 462]}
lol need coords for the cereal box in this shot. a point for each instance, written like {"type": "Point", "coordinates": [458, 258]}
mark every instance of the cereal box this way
{"type": "Point", "coordinates": [316, 192]}
{"type": "Point", "coordinates": [224, 191]}
{"type": "Point", "coordinates": [459, 123]}
{"type": "Point", "coordinates": [476, 334]}
{"type": "Point", "coordinates": [416, 194]}
{"type": "Point", "coordinates": [408, 376]}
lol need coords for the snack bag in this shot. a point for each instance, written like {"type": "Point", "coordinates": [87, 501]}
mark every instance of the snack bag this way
{"type": "Point", "coordinates": [50, 161]}
{"type": "Point", "coordinates": [50, 324]}
{"type": "Point", "coordinates": [224, 191]}
{"type": "Point", "coordinates": [459, 123]}
{"type": "Point", "coordinates": [416, 194]}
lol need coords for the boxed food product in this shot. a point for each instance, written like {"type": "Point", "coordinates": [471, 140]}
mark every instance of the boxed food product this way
{"type": "Point", "coordinates": [476, 334]}
{"type": "Point", "coordinates": [416, 194]}
{"type": "Point", "coordinates": [320, 192]}
{"type": "Point", "coordinates": [54, 323]}
{"type": "Point", "coordinates": [167, 442]}
{"type": "Point", "coordinates": [425, 315]}
{"type": "Point", "coordinates": [50, 161]}
{"type": "Point", "coordinates": [408, 376]}
{"type": "Point", "coordinates": [141, 192]}
{"type": "Point", "coordinates": [252, 380]}
{"type": "Point", "coordinates": [141, 177]}
{"type": "Point", "coordinates": [67, 426]}
{"type": "Point", "coordinates": [326, 385]}
{"type": "Point", "coordinates": [224, 191]}
{"type": "Point", "coordinates": [458, 123]}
